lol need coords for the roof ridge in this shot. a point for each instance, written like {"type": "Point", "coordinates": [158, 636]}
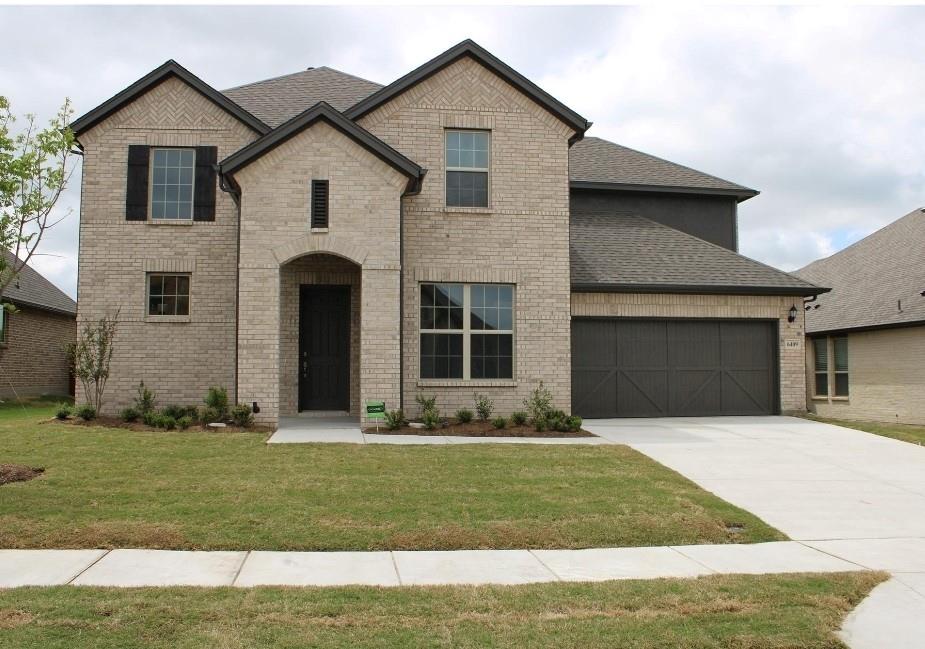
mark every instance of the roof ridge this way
{"type": "Point", "coordinates": [348, 74]}
{"type": "Point", "coordinates": [276, 78]}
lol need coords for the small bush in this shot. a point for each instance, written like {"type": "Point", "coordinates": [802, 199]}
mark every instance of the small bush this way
{"type": "Point", "coordinates": [174, 411]}
{"type": "Point", "coordinates": [166, 422]}
{"type": "Point", "coordinates": [464, 416]}
{"type": "Point", "coordinates": [573, 423]}
{"type": "Point", "coordinates": [129, 414]}
{"type": "Point", "coordinates": [150, 418]}
{"type": "Point", "coordinates": [86, 412]}
{"type": "Point", "coordinates": [499, 422]}
{"type": "Point", "coordinates": [540, 424]}
{"type": "Point", "coordinates": [519, 418]}
{"type": "Point", "coordinates": [144, 399]}
{"type": "Point", "coordinates": [63, 410]}
{"type": "Point", "coordinates": [539, 403]}
{"type": "Point", "coordinates": [217, 399]}
{"type": "Point", "coordinates": [426, 403]}
{"type": "Point", "coordinates": [184, 422]}
{"type": "Point", "coordinates": [209, 416]}
{"type": "Point", "coordinates": [242, 416]}
{"type": "Point", "coordinates": [431, 419]}
{"type": "Point", "coordinates": [395, 419]}
{"type": "Point", "coordinates": [556, 421]}
{"type": "Point", "coordinates": [483, 406]}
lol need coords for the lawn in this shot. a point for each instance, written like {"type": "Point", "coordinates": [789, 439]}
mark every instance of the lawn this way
{"type": "Point", "coordinates": [106, 487]}
{"type": "Point", "coordinates": [904, 432]}
{"type": "Point", "coordinates": [767, 612]}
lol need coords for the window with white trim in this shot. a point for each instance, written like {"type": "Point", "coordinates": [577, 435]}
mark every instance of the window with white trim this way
{"type": "Point", "coordinates": [467, 331]}
{"type": "Point", "coordinates": [172, 179]}
{"type": "Point", "coordinates": [168, 294]}
{"type": "Point", "coordinates": [467, 160]}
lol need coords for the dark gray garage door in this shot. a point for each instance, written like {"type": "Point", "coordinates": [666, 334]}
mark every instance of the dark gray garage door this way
{"type": "Point", "coordinates": [664, 368]}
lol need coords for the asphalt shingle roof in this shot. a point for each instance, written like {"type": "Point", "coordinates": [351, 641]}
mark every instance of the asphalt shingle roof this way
{"type": "Point", "coordinates": [622, 251]}
{"type": "Point", "coordinates": [277, 100]}
{"type": "Point", "coordinates": [599, 161]}
{"type": "Point", "coordinates": [31, 289]}
{"type": "Point", "coordinates": [877, 281]}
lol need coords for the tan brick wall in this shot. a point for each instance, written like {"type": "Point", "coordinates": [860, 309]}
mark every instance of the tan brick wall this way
{"type": "Point", "coordinates": [179, 360]}
{"type": "Point", "coordinates": [275, 230]}
{"type": "Point", "coordinates": [33, 360]}
{"type": "Point", "coordinates": [647, 305]}
{"type": "Point", "coordinates": [522, 238]}
{"type": "Point", "coordinates": [886, 381]}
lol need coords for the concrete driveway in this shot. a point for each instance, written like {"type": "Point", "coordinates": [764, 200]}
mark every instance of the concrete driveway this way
{"type": "Point", "coordinates": [858, 496]}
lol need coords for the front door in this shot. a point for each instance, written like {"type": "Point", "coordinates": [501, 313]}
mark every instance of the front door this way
{"type": "Point", "coordinates": [324, 347]}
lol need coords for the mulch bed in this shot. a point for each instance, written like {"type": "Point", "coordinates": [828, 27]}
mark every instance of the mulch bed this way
{"type": "Point", "coordinates": [115, 422]}
{"type": "Point", "coordinates": [18, 473]}
{"type": "Point", "coordinates": [479, 429]}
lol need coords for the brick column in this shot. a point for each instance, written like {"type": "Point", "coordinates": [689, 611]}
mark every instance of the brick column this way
{"type": "Point", "coordinates": [258, 340]}
{"type": "Point", "coordinates": [380, 351]}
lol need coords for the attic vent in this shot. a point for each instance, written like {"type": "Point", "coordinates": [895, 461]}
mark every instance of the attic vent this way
{"type": "Point", "coordinates": [319, 203]}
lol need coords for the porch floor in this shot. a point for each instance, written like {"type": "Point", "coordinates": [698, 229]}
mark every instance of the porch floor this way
{"type": "Point", "coordinates": [328, 428]}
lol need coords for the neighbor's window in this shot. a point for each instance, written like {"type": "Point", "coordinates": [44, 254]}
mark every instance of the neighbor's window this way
{"type": "Point", "coordinates": [467, 168]}
{"type": "Point", "coordinates": [840, 353]}
{"type": "Point", "coordinates": [172, 174]}
{"type": "Point", "coordinates": [821, 366]}
{"type": "Point", "coordinates": [4, 320]}
{"type": "Point", "coordinates": [467, 331]}
{"type": "Point", "coordinates": [168, 294]}
{"type": "Point", "coordinates": [837, 348]}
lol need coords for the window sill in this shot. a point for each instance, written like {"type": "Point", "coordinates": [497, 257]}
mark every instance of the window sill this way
{"type": "Point", "coordinates": [170, 222]}
{"type": "Point", "coordinates": [468, 210]}
{"type": "Point", "coordinates": [167, 318]}
{"type": "Point", "coordinates": [831, 399]}
{"type": "Point", "coordinates": [471, 383]}
{"type": "Point", "coordinates": [319, 230]}
{"type": "Point", "coordinates": [841, 399]}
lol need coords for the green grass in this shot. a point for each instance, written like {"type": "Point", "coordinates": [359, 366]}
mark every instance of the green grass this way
{"type": "Point", "coordinates": [767, 612]}
{"type": "Point", "coordinates": [904, 432]}
{"type": "Point", "coordinates": [106, 487]}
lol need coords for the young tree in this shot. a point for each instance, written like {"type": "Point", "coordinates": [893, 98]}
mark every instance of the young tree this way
{"type": "Point", "coordinates": [90, 358]}
{"type": "Point", "coordinates": [35, 167]}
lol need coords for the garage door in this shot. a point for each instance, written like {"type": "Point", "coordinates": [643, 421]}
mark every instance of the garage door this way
{"type": "Point", "coordinates": [665, 368]}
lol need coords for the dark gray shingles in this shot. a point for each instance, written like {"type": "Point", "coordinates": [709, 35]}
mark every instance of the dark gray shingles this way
{"type": "Point", "coordinates": [872, 279]}
{"type": "Point", "coordinates": [622, 250]}
{"type": "Point", "coordinates": [31, 289]}
{"type": "Point", "coordinates": [276, 100]}
{"type": "Point", "coordinates": [600, 161]}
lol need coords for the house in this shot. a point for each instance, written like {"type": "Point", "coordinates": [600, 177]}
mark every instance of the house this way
{"type": "Point", "coordinates": [34, 338]}
{"type": "Point", "coordinates": [316, 241]}
{"type": "Point", "coordinates": [866, 354]}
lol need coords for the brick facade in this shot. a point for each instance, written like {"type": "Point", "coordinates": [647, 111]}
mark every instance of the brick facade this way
{"type": "Point", "coordinates": [33, 360]}
{"type": "Point", "coordinates": [646, 305]}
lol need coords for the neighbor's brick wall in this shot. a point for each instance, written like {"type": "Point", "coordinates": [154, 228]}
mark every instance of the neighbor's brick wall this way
{"type": "Point", "coordinates": [275, 230]}
{"type": "Point", "coordinates": [33, 361]}
{"type": "Point", "coordinates": [886, 381]}
{"type": "Point", "coordinates": [178, 360]}
{"type": "Point", "coordinates": [522, 238]}
{"type": "Point", "coordinates": [648, 305]}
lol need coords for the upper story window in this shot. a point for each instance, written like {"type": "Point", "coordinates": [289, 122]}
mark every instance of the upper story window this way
{"type": "Point", "coordinates": [467, 164]}
{"type": "Point", "coordinates": [172, 179]}
{"type": "Point", "coordinates": [168, 294]}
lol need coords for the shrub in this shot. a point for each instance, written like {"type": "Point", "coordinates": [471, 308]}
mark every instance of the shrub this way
{"type": "Point", "coordinates": [210, 415]}
{"type": "Point", "coordinates": [86, 412]}
{"type": "Point", "coordinates": [174, 411]}
{"type": "Point", "coordinates": [573, 423]}
{"type": "Point", "coordinates": [556, 421]}
{"type": "Point", "coordinates": [539, 403]}
{"type": "Point", "coordinates": [144, 399]}
{"type": "Point", "coordinates": [242, 416]}
{"type": "Point", "coordinates": [184, 422]}
{"type": "Point", "coordinates": [483, 406]}
{"type": "Point", "coordinates": [519, 418]}
{"type": "Point", "coordinates": [426, 403]}
{"type": "Point", "coordinates": [431, 419]}
{"type": "Point", "coordinates": [464, 416]}
{"type": "Point", "coordinates": [166, 422]}
{"type": "Point", "coordinates": [129, 414]}
{"type": "Point", "coordinates": [395, 419]}
{"type": "Point", "coordinates": [540, 424]}
{"type": "Point", "coordinates": [63, 410]}
{"type": "Point", "coordinates": [217, 399]}
{"type": "Point", "coordinates": [150, 418]}
{"type": "Point", "coordinates": [499, 422]}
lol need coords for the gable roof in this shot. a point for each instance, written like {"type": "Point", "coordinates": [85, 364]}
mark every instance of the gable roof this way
{"type": "Point", "coordinates": [160, 74]}
{"type": "Point", "coordinates": [484, 57]}
{"type": "Point", "coordinates": [279, 99]}
{"type": "Point", "coordinates": [623, 252]}
{"type": "Point", "coordinates": [878, 281]}
{"type": "Point", "coordinates": [322, 111]}
{"type": "Point", "coordinates": [595, 163]}
{"type": "Point", "coordinates": [29, 288]}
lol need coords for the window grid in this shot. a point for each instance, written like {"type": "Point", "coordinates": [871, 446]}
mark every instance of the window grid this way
{"type": "Point", "coordinates": [168, 294]}
{"type": "Point", "coordinates": [461, 334]}
{"type": "Point", "coordinates": [821, 367]}
{"type": "Point", "coordinates": [467, 168]}
{"type": "Point", "coordinates": [172, 180]}
{"type": "Point", "coordinates": [840, 365]}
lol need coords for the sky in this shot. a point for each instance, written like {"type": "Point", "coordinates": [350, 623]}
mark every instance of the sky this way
{"type": "Point", "coordinates": [821, 109]}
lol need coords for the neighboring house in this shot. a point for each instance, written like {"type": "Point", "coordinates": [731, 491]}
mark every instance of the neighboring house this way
{"type": "Point", "coordinates": [34, 339]}
{"type": "Point", "coordinates": [866, 359]}
{"type": "Point", "coordinates": [315, 241]}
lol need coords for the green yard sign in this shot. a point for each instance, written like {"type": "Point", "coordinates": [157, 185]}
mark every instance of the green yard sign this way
{"type": "Point", "coordinates": [375, 409]}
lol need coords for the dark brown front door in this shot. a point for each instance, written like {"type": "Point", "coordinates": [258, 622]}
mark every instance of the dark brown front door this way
{"type": "Point", "coordinates": [324, 347]}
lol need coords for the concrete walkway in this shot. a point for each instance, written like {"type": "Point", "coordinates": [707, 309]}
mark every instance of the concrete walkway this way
{"type": "Point", "coordinates": [133, 568]}
{"type": "Point", "coordinates": [857, 496]}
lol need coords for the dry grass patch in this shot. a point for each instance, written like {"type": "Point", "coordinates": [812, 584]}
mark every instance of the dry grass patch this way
{"type": "Point", "coordinates": [904, 432]}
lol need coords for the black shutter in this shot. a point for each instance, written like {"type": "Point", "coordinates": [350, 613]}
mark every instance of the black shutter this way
{"type": "Point", "coordinates": [319, 203]}
{"type": "Point", "coordinates": [204, 193]}
{"type": "Point", "coordinates": [136, 186]}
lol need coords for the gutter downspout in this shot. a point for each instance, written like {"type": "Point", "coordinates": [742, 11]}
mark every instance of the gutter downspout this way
{"type": "Point", "coordinates": [413, 189]}
{"type": "Point", "coordinates": [234, 190]}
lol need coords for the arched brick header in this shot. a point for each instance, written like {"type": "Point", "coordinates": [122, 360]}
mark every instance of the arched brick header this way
{"type": "Point", "coordinates": [320, 243]}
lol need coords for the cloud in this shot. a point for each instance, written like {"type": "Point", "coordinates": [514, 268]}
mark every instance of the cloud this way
{"type": "Point", "coordinates": [818, 108]}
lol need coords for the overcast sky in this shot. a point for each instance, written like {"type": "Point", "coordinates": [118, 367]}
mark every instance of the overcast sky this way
{"type": "Point", "coordinates": [820, 109]}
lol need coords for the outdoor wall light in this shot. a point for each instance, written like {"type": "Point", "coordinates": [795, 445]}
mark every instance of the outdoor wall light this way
{"type": "Point", "coordinates": [793, 314]}
{"type": "Point", "coordinates": [255, 408]}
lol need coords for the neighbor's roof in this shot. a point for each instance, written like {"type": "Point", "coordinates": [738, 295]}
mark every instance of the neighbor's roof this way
{"type": "Point", "coordinates": [622, 252]}
{"type": "Point", "coordinates": [280, 99]}
{"type": "Point", "coordinates": [599, 164]}
{"type": "Point", "coordinates": [31, 289]}
{"type": "Point", "coordinates": [876, 282]}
